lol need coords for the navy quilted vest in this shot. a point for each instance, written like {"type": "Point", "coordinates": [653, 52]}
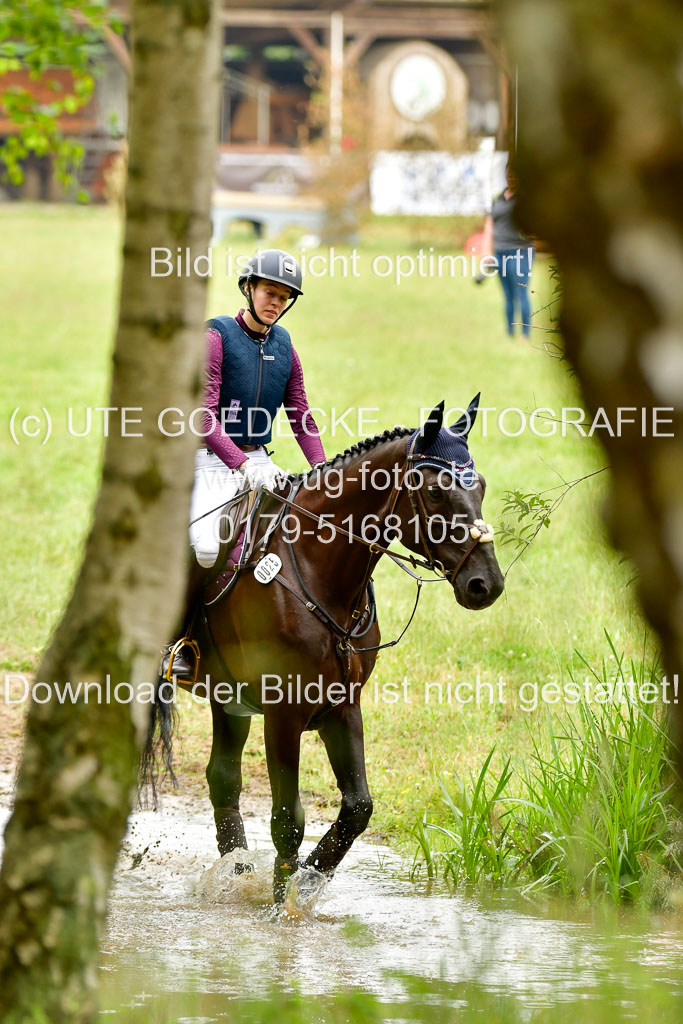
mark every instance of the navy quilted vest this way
{"type": "Point", "coordinates": [254, 378]}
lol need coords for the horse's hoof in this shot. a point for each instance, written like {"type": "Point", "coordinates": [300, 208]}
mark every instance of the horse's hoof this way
{"type": "Point", "coordinates": [304, 888]}
{"type": "Point", "coordinates": [238, 858]}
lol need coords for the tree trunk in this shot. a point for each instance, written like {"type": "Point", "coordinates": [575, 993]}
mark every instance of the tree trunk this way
{"type": "Point", "coordinates": [601, 173]}
{"type": "Point", "coordinates": [79, 763]}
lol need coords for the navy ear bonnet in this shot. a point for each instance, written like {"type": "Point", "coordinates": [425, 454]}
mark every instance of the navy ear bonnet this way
{"type": "Point", "coordinates": [445, 448]}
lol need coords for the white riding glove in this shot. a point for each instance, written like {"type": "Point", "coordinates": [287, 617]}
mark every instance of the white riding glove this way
{"type": "Point", "coordinates": [259, 474]}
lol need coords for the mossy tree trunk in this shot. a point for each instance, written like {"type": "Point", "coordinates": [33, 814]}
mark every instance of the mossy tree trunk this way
{"type": "Point", "coordinates": [601, 170]}
{"type": "Point", "coordinates": [78, 769]}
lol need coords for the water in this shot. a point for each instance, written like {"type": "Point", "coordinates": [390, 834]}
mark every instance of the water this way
{"type": "Point", "coordinates": [181, 922]}
{"type": "Point", "coordinates": [214, 931]}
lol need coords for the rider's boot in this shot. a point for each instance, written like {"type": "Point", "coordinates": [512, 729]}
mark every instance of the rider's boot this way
{"type": "Point", "coordinates": [180, 660]}
{"type": "Point", "coordinates": [181, 657]}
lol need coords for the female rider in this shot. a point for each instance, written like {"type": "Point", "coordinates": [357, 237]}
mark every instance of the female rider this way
{"type": "Point", "coordinates": [253, 370]}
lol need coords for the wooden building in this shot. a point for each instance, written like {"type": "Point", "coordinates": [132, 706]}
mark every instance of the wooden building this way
{"type": "Point", "coordinates": [431, 73]}
{"type": "Point", "coordinates": [427, 75]}
{"type": "Point", "coordinates": [291, 47]}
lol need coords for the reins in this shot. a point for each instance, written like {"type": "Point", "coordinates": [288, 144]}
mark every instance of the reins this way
{"type": "Point", "coordinates": [479, 533]}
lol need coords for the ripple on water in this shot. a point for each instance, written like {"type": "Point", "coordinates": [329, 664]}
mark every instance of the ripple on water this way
{"type": "Point", "coordinates": [207, 927]}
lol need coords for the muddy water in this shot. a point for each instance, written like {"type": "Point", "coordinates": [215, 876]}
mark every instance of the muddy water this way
{"type": "Point", "coordinates": [215, 931]}
{"type": "Point", "coordinates": [181, 923]}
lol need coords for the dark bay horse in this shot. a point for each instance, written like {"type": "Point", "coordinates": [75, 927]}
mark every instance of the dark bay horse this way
{"type": "Point", "coordinates": [288, 644]}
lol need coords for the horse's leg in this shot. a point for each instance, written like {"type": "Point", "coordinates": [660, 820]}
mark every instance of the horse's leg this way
{"type": "Point", "coordinates": [224, 775]}
{"type": "Point", "coordinates": [342, 734]}
{"type": "Point", "coordinates": [283, 743]}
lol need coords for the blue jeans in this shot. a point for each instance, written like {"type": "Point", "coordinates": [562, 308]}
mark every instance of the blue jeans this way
{"type": "Point", "coordinates": [514, 271]}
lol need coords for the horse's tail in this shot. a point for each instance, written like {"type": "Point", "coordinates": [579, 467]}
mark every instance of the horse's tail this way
{"type": "Point", "coordinates": [156, 762]}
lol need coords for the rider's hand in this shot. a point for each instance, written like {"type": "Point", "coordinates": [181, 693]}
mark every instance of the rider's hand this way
{"type": "Point", "coordinates": [259, 474]}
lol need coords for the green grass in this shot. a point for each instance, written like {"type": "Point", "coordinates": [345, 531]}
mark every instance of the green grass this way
{"type": "Point", "coordinates": [589, 812]}
{"type": "Point", "coordinates": [59, 267]}
{"type": "Point", "coordinates": [364, 342]}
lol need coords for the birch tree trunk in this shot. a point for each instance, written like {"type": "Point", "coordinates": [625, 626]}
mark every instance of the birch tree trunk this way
{"type": "Point", "coordinates": [601, 172]}
{"type": "Point", "coordinates": [79, 763]}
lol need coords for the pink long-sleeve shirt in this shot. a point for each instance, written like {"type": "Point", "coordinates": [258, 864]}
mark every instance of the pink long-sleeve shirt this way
{"type": "Point", "coordinates": [296, 405]}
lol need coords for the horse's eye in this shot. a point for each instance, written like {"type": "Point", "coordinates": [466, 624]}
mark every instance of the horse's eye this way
{"type": "Point", "coordinates": [435, 493]}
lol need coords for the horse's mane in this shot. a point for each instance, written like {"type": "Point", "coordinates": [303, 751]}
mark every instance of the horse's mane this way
{"type": "Point", "coordinates": [361, 448]}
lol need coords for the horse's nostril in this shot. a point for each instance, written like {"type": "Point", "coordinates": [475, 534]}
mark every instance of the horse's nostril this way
{"type": "Point", "coordinates": [477, 587]}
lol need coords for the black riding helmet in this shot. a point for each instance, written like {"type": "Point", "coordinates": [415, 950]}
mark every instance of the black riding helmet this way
{"type": "Point", "coordinates": [270, 265]}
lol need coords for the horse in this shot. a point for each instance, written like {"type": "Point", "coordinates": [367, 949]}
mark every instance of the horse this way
{"type": "Point", "coordinates": [297, 637]}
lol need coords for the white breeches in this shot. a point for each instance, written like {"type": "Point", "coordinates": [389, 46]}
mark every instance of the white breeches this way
{"type": "Point", "coordinates": [214, 484]}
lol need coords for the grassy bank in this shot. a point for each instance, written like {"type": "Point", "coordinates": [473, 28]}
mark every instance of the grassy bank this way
{"type": "Point", "coordinates": [367, 342]}
{"type": "Point", "coordinates": [591, 810]}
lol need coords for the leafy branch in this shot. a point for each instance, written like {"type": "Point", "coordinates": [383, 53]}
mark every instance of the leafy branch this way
{"type": "Point", "coordinates": [552, 342]}
{"type": "Point", "coordinates": [40, 37]}
{"type": "Point", "coordinates": [529, 506]}
{"type": "Point", "coordinates": [534, 511]}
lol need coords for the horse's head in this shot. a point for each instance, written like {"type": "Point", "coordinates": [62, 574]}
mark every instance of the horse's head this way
{"type": "Point", "coordinates": [445, 493]}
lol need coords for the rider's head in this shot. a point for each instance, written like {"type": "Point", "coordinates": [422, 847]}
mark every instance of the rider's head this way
{"type": "Point", "coordinates": [268, 281]}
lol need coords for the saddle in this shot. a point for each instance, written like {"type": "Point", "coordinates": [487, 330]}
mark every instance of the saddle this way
{"type": "Point", "coordinates": [240, 528]}
{"type": "Point", "coordinates": [236, 550]}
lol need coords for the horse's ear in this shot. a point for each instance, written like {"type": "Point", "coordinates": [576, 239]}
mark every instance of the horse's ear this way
{"type": "Point", "coordinates": [431, 428]}
{"type": "Point", "coordinates": [466, 421]}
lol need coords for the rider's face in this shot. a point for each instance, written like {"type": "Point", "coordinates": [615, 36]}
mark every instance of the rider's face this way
{"type": "Point", "coordinates": [270, 299]}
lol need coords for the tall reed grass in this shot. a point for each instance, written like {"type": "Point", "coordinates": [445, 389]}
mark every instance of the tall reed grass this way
{"type": "Point", "coordinates": [592, 811]}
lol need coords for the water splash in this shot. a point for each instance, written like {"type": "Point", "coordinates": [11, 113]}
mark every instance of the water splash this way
{"type": "Point", "coordinates": [240, 876]}
{"type": "Point", "coordinates": [304, 889]}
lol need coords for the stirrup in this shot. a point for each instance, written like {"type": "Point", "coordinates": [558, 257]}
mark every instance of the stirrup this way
{"type": "Point", "coordinates": [172, 652]}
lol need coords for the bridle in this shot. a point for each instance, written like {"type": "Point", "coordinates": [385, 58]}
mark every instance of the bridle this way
{"type": "Point", "coordinates": [479, 532]}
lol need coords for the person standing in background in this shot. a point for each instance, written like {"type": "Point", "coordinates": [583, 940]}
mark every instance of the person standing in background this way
{"type": "Point", "coordinates": [513, 253]}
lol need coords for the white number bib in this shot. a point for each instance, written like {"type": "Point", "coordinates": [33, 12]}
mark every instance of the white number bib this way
{"type": "Point", "coordinates": [268, 568]}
